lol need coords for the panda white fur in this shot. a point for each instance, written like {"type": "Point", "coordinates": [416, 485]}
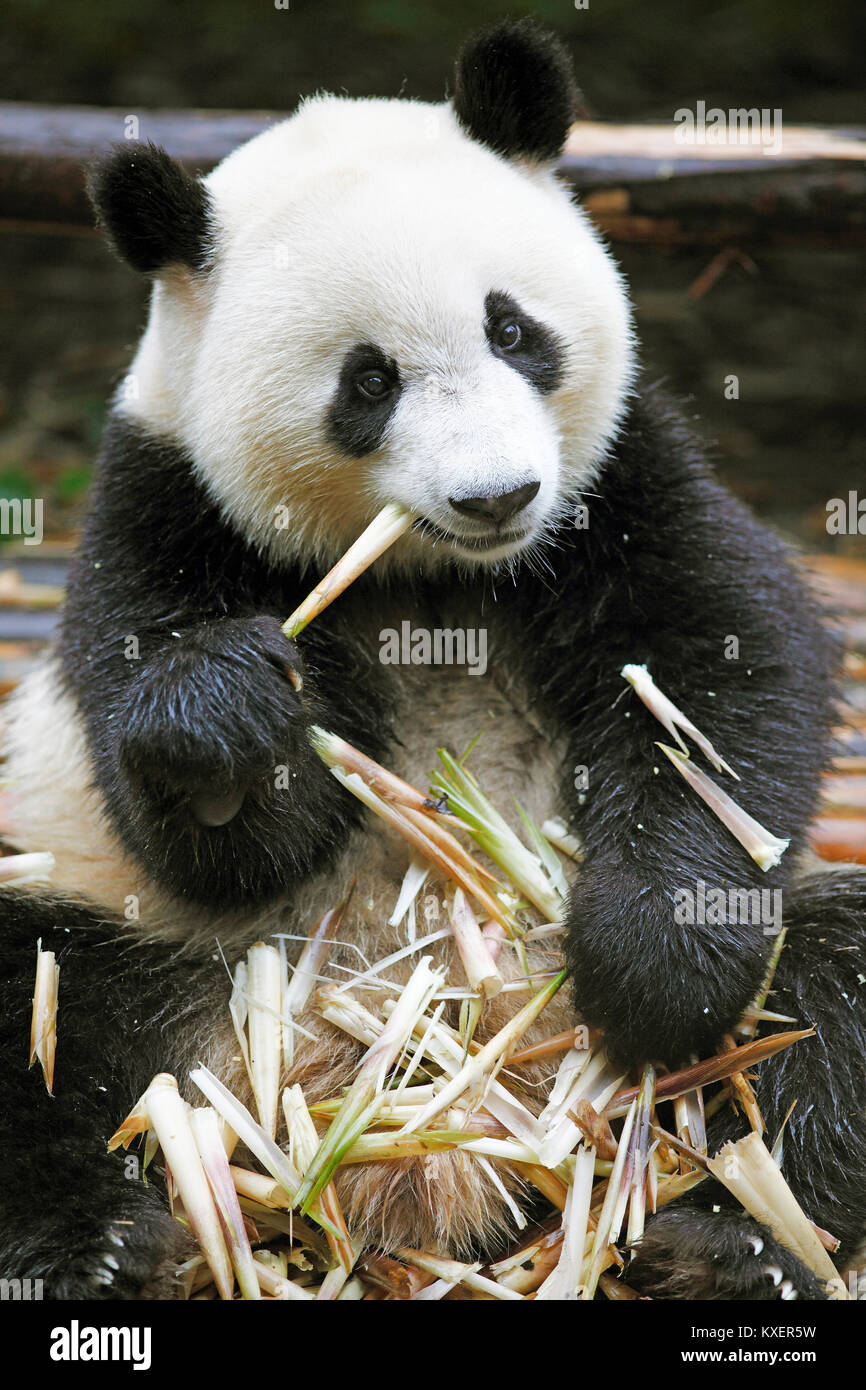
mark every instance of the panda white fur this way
{"type": "Point", "coordinates": [377, 301]}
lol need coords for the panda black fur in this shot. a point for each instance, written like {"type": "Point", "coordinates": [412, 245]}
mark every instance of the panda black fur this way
{"type": "Point", "coordinates": [152, 779]}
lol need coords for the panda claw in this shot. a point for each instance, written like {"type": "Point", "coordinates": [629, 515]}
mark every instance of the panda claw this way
{"type": "Point", "coordinates": [787, 1291]}
{"type": "Point", "coordinates": [756, 1243]}
{"type": "Point", "coordinates": [773, 1272]}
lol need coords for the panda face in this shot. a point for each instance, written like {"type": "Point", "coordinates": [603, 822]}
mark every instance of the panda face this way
{"type": "Point", "coordinates": [461, 435]}
{"type": "Point", "coordinates": [392, 313]}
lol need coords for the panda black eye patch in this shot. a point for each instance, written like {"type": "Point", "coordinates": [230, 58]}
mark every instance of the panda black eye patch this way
{"type": "Point", "coordinates": [522, 342]}
{"type": "Point", "coordinates": [367, 393]}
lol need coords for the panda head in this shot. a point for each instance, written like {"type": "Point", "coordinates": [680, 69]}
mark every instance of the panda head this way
{"type": "Point", "coordinates": [382, 300]}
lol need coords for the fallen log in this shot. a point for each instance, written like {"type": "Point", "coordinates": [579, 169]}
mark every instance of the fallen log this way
{"type": "Point", "coordinates": [638, 182]}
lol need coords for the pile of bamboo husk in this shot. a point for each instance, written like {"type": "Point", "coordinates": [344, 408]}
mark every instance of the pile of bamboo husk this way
{"type": "Point", "coordinates": [260, 1192]}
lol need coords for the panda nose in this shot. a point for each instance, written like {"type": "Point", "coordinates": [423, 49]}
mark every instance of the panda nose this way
{"type": "Point", "coordinates": [498, 507]}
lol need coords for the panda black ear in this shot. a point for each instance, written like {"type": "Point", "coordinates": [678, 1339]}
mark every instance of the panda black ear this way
{"type": "Point", "coordinates": [152, 211]}
{"type": "Point", "coordinates": [515, 90]}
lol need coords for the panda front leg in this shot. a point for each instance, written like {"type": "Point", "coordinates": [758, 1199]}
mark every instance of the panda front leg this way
{"type": "Point", "coordinates": [207, 768]}
{"type": "Point", "coordinates": [706, 1246]}
{"type": "Point", "coordinates": [660, 953]}
{"type": "Point", "coordinates": [82, 1220]}
{"type": "Point", "coordinates": [675, 575]}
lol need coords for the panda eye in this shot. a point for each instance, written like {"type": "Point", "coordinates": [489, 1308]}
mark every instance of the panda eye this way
{"type": "Point", "coordinates": [508, 336]}
{"type": "Point", "coordinates": [375, 386]}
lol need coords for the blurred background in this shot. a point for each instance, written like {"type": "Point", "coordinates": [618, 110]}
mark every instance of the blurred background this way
{"type": "Point", "coordinates": [786, 321]}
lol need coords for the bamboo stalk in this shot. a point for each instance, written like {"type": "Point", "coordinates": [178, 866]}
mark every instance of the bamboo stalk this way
{"type": "Point", "coordinates": [264, 990]}
{"type": "Point", "coordinates": [594, 1081]}
{"type": "Point", "coordinates": [260, 1188]}
{"type": "Point", "coordinates": [742, 1090]}
{"type": "Point", "coordinates": [136, 1122]}
{"type": "Point", "coordinates": [22, 870]}
{"type": "Point", "coordinates": [450, 861]}
{"type": "Point", "coordinates": [565, 1281]}
{"type": "Point", "coordinates": [256, 1138]}
{"type": "Point", "coordinates": [385, 528]}
{"type": "Point", "coordinates": [474, 952]}
{"type": "Point", "coordinates": [558, 1042]}
{"type": "Point", "coordinates": [672, 718]}
{"type": "Point", "coordinates": [489, 1058]}
{"type": "Point", "coordinates": [374, 1147]}
{"type": "Point", "coordinates": [746, 1169]}
{"type": "Point", "coordinates": [43, 1023]}
{"type": "Point", "coordinates": [641, 1145]}
{"type": "Point", "coordinates": [751, 1018]}
{"type": "Point", "coordinates": [278, 1286]}
{"type": "Point", "coordinates": [613, 1207]}
{"type": "Point", "coordinates": [336, 752]}
{"type": "Point", "coordinates": [557, 832]}
{"type": "Point", "coordinates": [676, 1083]}
{"type": "Point", "coordinates": [695, 1157]}
{"type": "Point", "coordinates": [365, 1095]}
{"type": "Point", "coordinates": [526, 1269]}
{"type": "Point", "coordinates": [297, 991]}
{"type": "Point", "coordinates": [445, 1048]}
{"type": "Point", "coordinates": [208, 1138]}
{"type": "Point", "coordinates": [495, 837]}
{"type": "Point", "coordinates": [594, 1128]}
{"type": "Point", "coordinates": [766, 849]}
{"type": "Point", "coordinates": [305, 1140]}
{"type": "Point", "coordinates": [393, 1276]}
{"type": "Point", "coordinates": [690, 1120]}
{"type": "Point", "coordinates": [169, 1118]}
{"type": "Point", "coordinates": [456, 1272]}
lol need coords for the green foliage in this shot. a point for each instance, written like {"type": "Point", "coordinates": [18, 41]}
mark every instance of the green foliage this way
{"type": "Point", "coordinates": [72, 483]}
{"type": "Point", "coordinates": [14, 482]}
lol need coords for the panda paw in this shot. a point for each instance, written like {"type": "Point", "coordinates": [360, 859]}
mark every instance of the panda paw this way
{"type": "Point", "coordinates": [95, 1235]}
{"type": "Point", "coordinates": [722, 1255]}
{"type": "Point", "coordinates": [127, 1260]}
{"type": "Point", "coordinates": [210, 779]}
{"type": "Point", "coordinates": [213, 713]}
{"type": "Point", "coordinates": [661, 993]}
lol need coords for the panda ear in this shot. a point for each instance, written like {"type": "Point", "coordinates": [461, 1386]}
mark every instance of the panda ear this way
{"type": "Point", "coordinates": [152, 211]}
{"type": "Point", "coordinates": [515, 90]}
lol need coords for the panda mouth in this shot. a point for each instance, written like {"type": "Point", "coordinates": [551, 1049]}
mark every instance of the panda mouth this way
{"type": "Point", "coordinates": [480, 544]}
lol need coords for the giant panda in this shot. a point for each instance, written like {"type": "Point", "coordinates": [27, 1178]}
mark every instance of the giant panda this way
{"type": "Point", "coordinates": [382, 300]}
